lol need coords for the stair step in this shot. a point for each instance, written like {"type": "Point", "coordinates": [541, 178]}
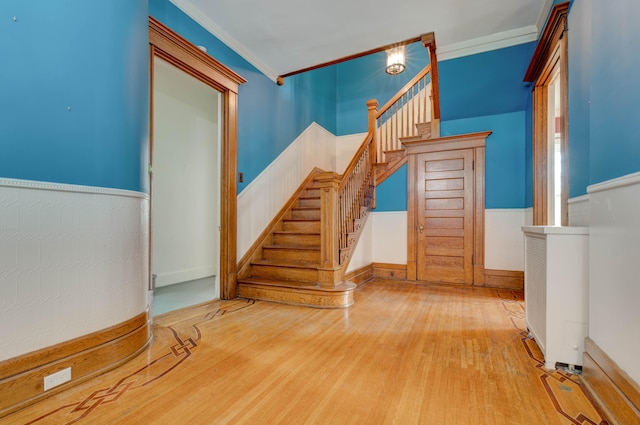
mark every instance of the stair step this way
{"type": "Point", "coordinates": [296, 293]}
{"type": "Point", "coordinates": [305, 254]}
{"type": "Point", "coordinates": [309, 202]}
{"type": "Point", "coordinates": [307, 226]}
{"type": "Point", "coordinates": [313, 192]}
{"type": "Point", "coordinates": [286, 271]}
{"type": "Point", "coordinates": [305, 213]}
{"type": "Point", "coordinates": [285, 237]}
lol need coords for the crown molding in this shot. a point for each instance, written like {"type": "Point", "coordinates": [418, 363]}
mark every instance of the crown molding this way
{"type": "Point", "coordinates": [487, 43]}
{"type": "Point", "coordinates": [207, 23]}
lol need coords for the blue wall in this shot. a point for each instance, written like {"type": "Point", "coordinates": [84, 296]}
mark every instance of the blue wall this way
{"type": "Point", "coordinates": [479, 93]}
{"type": "Point", "coordinates": [614, 90]}
{"type": "Point", "coordinates": [488, 83]}
{"type": "Point", "coordinates": [504, 156]}
{"type": "Point", "coordinates": [579, 42]}
{"type": "Point", "coordinates": [270, 117]}
{"type": "Point", "coordinates": [91, 56]}
{"type": "Point", "coordinates": [365, 78]}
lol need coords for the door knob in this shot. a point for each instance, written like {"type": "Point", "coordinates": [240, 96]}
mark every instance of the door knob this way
{"type": "Point", "coordinates": [421, 228]}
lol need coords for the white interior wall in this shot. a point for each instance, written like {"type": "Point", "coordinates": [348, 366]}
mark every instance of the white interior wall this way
{"type": "Point", "coordinates": [503, 239]}
{"type": "Point", "coordinates": [73, 260]}
{"type": "Point", "coordinates": [614, 288]}
{"type": "Point", "coordinates": [186, 177]}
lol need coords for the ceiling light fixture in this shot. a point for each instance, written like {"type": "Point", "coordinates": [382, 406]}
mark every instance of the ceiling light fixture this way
{"type": "Point", "coordinates": [395, 60]}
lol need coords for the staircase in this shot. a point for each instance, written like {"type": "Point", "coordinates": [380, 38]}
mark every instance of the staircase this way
{"type": "Point", "coordinates": [303, 254]}
{"type": "Point", "coordinates": [288, 268]}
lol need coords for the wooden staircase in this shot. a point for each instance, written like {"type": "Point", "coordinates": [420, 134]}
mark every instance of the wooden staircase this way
{"type": "Point", "coordinates": [304, 252]}
{"type": "Point", "coordinates": [287, 269]}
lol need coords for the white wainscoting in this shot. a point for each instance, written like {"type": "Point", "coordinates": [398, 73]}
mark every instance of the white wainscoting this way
{"type": "Point", "coordinates": [579, 211]}
{"type": "Point", "coordinates": [73, 260]}
{"type": "Point", "coordinates": [614, 282]}
{"type": "Point", "coordinates": [346, 147]}
{"type": "Point", "coordinates": [363, 254]}
{"type": "Point", "coordinates": [261, 200]}
{"type": "Point", "coordinates": [503, 239]}
{"type": "Point", "coordinates": [390, 237]}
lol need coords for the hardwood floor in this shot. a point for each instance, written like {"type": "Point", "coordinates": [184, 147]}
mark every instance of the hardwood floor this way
{"type": "Point", "coordinates": [402, 354]}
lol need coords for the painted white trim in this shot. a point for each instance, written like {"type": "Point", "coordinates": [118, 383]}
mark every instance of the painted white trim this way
{"type": "Point", "coordinates": [197, 15]}
{"type": "Point", "coordinates": [487, 43]}
{"type": "Point", "coordinates": [578, 199]}
{"type": "Point", "coordinates": [628, 180]}
{"type": "Point", "coordinates": [61, 187]}
{"type": "Point", "coordinates": [579, 211]}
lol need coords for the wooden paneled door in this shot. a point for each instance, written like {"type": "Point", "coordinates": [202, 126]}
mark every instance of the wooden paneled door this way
{"type": "Point", "coordinates": [445, 216]}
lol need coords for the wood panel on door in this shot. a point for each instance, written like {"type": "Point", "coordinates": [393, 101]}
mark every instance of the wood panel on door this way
{"type": "Point", "coordinates": [445, 216]}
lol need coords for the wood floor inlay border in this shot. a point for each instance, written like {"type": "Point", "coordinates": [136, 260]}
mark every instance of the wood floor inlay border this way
{"type": "Point", "coordinates": [405, 354]}
{"type": "Point", "coordinates": [155, 369]}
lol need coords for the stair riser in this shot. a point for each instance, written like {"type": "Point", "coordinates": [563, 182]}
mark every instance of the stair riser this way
{"type": "Point", "coordinates": [305, 214]}
{"type": "Point", "coordinates": [302, 226]}
{"type": "Point", "coordinates": [309, 203]}
{"type": "Point", "coordinates": [313, 193]}
{"type": "Point", "coordinates": [284, 273]}
{"type": "Point", "coordinates": [302, 240]}
{"type": "Point", "coordinates": [310, 256]}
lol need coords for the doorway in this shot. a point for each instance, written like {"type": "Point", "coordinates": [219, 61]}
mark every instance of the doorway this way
{"type": "Point", "coordinates": [185, 202]}
{"type": "Point", "coordinates": [169, 46]}
{"type": "Point", "coordinates": [445, 217]}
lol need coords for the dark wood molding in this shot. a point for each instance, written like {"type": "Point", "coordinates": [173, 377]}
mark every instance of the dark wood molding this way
{"type": "Point", "coordinates": [390, 271]}
{"type": "Point", "coordinates": [554, 29]}
{"type": "Point", "coordinates": [609, 387]}
{"type": "Point", "coordinates": [178, 51]}
{"type": "Point", "coordinates": [360, 276]}
{"type": "Point", "coordinates": [22, 377]}
{"type": "Point", "coordinates": [173, 48]}
{"type": "Point", "coordinates": [509, 279]}
{"type": "Point", "coordinates": [280, 79]}
{"type": "Point", "coordinates": [418, 145]}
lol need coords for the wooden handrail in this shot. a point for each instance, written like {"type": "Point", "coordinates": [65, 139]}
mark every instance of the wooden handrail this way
{"type": "Point", "coordinates": [404, 90]}
{"type": "Point", "coordinates": [355, 159]}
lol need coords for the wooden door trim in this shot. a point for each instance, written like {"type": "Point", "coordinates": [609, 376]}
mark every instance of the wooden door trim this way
{"type": "Point", "coordinates": [173, 48]}
{"type": "Point", "coordinates": [475, 141]}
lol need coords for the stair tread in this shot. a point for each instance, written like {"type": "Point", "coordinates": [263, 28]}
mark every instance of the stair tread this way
{"type": "Point", "coordinates": [303, 220]}
{"type": "Point", "coordinates": [288, 264]}
{"type": "Point", "coordinates": [298, 247]}
{"type": "Point", "coordinates": [297, 284]}
{"type": "Point", "coordinates": [295, 232]}
{"type": "Point", "coordinates": [306, 208]}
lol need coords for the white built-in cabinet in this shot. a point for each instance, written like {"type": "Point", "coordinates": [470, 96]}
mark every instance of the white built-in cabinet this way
{"type": "Point", "coordinates": [556, 278]}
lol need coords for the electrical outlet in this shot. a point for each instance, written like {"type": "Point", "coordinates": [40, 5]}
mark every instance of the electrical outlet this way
{"type": "Point", "coordinates": [57, 378]}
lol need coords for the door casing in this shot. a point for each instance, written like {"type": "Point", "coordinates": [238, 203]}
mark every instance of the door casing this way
{"type": "Point", "coordinates": [474, 141]}
{"type": "Point", "coordinates": [173, 48]}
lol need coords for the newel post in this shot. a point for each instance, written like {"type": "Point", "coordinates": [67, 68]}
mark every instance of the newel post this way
{"type": "Point", "coordinates": [372, 108]}
{"type": "Point", "coordinates": [329, 273]}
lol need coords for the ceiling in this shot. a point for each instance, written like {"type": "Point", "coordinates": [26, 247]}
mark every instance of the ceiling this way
{"type": "Point", "coordinates": [281, 36]}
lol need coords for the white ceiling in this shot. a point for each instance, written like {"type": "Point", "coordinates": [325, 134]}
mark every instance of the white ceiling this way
{"type": "Point", "coordinates": [280, 36]}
